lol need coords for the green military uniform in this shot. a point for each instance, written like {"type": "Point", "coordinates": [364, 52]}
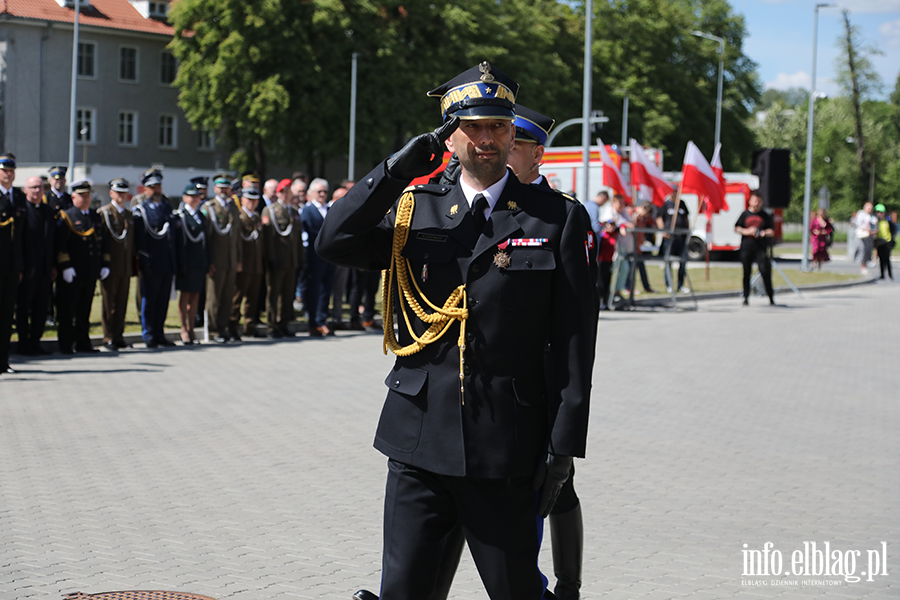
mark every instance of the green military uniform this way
{"type": "Point", "coordinates": [284, 255]}
{"type": "Point", "coordinates": [119, 228]}
{"type": "Point", "coordinates": [248, 279]}
{"type": "Point", "coordinates": [224, 239]}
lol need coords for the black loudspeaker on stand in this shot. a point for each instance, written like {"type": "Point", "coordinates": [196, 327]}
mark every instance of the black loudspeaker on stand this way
{"type": "Point", "coordinates": [773, 167]}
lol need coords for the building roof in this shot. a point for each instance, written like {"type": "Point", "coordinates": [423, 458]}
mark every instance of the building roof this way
{"type": "Point", "coordinates": [114, 14]}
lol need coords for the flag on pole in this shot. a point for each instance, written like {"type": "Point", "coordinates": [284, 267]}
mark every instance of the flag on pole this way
{"type": "Point", "coordinates": [698, 177]}
{"type": "Point", "coordinates": [716, 166]}
{"type": "Point", "coordinates": [644, 172]}
{"type": "Point", "coordinates": [612, 177]}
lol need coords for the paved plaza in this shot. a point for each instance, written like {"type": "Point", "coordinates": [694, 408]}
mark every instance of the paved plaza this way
{"type": "Point", "coordinates": [247, 472]}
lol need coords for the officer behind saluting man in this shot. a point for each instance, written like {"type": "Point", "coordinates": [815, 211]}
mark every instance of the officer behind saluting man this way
{"type": "Point", "coordinates": [15, 258]}
{"type": "Point", "coordinates": [155, 245]}
{"type": "Point", "coordinates": [248, 278]}
{"type": "Point", "coordinates": [34, 290]}
{"type": "Point", "coordinates": [224, 240]}
{"type": "Point", "coordinates": [82, 258]}
{"type": "Point", "coordinates": [284, 253]}
{"type": "Point", "coordinates": [119, 223]}
{"type": "Point", "coordinates": [476, 429]}
{"type": "Point", "coordinates": [56, 197]}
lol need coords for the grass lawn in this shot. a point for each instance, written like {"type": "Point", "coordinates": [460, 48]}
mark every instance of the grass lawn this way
{"type": "Point", "coordinates": [729, 278]}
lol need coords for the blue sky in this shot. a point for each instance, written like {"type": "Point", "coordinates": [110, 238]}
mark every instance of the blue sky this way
{"type": "Point", "coordinates": [780, 35]}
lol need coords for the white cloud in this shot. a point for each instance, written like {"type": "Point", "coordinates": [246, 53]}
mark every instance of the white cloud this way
{"type": "Point", "coordinates": [784, 81]}
{"type": "Point", "coordinates": [871, 6]}
{"type": "Point", "coordinates": [891, 31]}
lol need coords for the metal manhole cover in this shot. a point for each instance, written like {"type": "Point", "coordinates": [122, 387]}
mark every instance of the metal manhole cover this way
{"type": "Point", "coordinates": [136, 595]}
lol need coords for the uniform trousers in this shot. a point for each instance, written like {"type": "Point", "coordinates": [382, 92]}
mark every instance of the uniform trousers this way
{"type": "Point", "coordinates": [677, 251]}
{"type": "Point", "coordinates": [73, 309]}
{"type": "Point", "coordinates": [498, 518]}
{"type": "Point", "coordinates": [219, 297]}
{"type": "Point", "coordinates": [115, 298]}
{"type": "Point", "coordinates": [31, 310]}
{"type": "Point", "coordinates": [758, 256]}
{"type": "Point", "coordinates": [246, 292]}
{"type": "Point", "coordinates": [363, 291]}
{"type": "Point", "coordinates": [156, 288]}
{"type": "Point", "coordinates": [9, 287]}
{"type": "Point", "coordinates": [339, 292]}
{"type": "Point", "coordinates": [280, 297]}
{"type": "Point", "coordinates": [319, 278]}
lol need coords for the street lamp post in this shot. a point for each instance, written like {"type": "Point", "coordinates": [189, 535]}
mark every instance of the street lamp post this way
{"type": "Point", "coordinates": [721, 42]}
{"type": "Point", "coordinates": [804, 263]}
{"type": "Point", "coordinates": [74, 93]}
{"type": "Point", "coordinates": [351, 159]}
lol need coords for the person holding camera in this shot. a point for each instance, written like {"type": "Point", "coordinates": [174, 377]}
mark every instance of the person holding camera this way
{"type": "Point", "coordinates": [756, 228]}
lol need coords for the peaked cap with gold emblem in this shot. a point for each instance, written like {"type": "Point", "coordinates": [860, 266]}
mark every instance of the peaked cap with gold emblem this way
{"type": "Point", "coordinates": [482, 92]}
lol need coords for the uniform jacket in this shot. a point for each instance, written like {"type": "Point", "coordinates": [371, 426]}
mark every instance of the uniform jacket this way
{"type": "Point", "coordinates": [57, 203]}
{"type": "Point", "coordinates": [80, 243]}
{"type": "Point", "coordinates": [154, 238]}
{"type": "Point", "coordinates": [512, 415]}
{"type": "Point", "coordinates": [15, 255]}
{"type": "Point", "coordinates": [41, 234]}
{"type": "Point", "coordinates": [121, 251]}
{"type": "Point", "coordinates": [252, 248]}
{"type": "Point", "coordinates": [224, 248]}
{"type": "Point", "coordinates": [192, 256]}
{"type": "Point", "coordinates": [281, 235]}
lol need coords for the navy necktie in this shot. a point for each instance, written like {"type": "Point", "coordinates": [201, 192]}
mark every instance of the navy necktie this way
{"type": "Point", "coordinates": [479, 205]}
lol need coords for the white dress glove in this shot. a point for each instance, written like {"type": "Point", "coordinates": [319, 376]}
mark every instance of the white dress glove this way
{"type": "Point", "coordinates": [69, 275]}
{"type": "Point", "coordinates": [104, 272]}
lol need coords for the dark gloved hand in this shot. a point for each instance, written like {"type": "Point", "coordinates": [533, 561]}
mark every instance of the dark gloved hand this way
{"type": "Point", "coordinates": [422, 154]}
{"type": "Point", "coordinates": [451, 171]}
{"type": "Point", "coordinates": [551, 474]}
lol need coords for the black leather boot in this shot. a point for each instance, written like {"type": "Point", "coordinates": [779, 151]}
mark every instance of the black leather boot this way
{"type": "Point", "coordinates": [567, 543]}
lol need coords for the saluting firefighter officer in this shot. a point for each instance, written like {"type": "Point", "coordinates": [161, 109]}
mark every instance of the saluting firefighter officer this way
{"type": "Point", "coordinates": [119, 223]}
{"type": "Point", "coordinates": [82, 258]}
{"type": "Point", "coordinates": [284, 256]}
{"type": "Point", "coordinates": [155, 245]}
{"type": "Point", "coordinates": [223, 238]}
{"type": "Point", "coordinates": [250, 275]}
{"type": "Point", "coordinates": [566, 525]}
{"type": "Point", "coordinates": [471, 434]}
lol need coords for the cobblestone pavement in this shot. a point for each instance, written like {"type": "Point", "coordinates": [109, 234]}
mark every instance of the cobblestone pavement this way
{"type": "Point", "coordinates": [247, 472]}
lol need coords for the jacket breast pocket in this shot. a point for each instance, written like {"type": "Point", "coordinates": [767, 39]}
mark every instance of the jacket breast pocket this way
{"type": "Point", "coordinates": [400, 424]}
{"type": "Point", "coordinates": [526, 278]}
{"type": "Point", "coordinates": [424, 248]}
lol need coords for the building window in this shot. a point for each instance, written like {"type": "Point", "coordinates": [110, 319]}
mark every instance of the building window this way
{"type": "Point", "coordinates": [87, 59]}
{"type": "Point", "coordinates": [168, 131]}
{"type": "Point", "coordinates": [128, 64]}
{"type": "Point", "coordinates": [159, 9]}
{"type": "Point", "coordinates": [206, 140]}
{"type": "Point", "coordinates": [128, 128]}
{"type": "Point", "coordinates": [85, 130]}
{"type": "Point", "coordinates": [168, 68]}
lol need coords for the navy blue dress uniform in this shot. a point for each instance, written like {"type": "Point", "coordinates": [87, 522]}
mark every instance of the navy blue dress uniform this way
{"type": "Point", "coordinates": [15, 258]}
{"type": "Point", "coordinates": [82, 259]}
{"type": "Point", "coordinates": [468, 425]}
{"type": "Point", "coordinates": [155, 245]}
{"type": "Point", "coordinates": [58, 199]}
{"type": "Point", "coordinates": [191, 250]}
{"type": "Point", "coordinates": [35, 289]}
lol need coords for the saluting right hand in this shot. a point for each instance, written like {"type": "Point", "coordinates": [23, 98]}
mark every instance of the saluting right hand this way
{"type": "Point", "coordinates": [422, 154]}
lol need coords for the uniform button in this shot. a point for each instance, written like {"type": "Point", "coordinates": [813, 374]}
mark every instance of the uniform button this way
{"type": "Point", "coordinates": [397, 383]}
{"type": "Point", "coordinates": [473, 301]}
{"type": "Point", "coordinates": [370, 182]}
{"type": "Point", "coordinates": [528, 262]}
{"type": "Point", "coordinates": [427, 256]}
{"type": "Point", "coordinates": [476, 269]}
{"type": "Point", "coordinates": [467, 370]}
{"type": "Point", "coordinates": [470, 336]}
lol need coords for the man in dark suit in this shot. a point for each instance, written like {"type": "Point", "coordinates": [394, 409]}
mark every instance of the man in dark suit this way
{"type": "Point", "coordinates": [318, 274]}
{"type": "Point", "coordinates": [15, 258]}
{"type": "Point", "coordinates": [472, 435]}
{"type": "Point", "coordinates": [82, 259]}
{"type": "Point", "coordinates": [34, 291]}
{"type": "Point", "coordinates": [155, 244]}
